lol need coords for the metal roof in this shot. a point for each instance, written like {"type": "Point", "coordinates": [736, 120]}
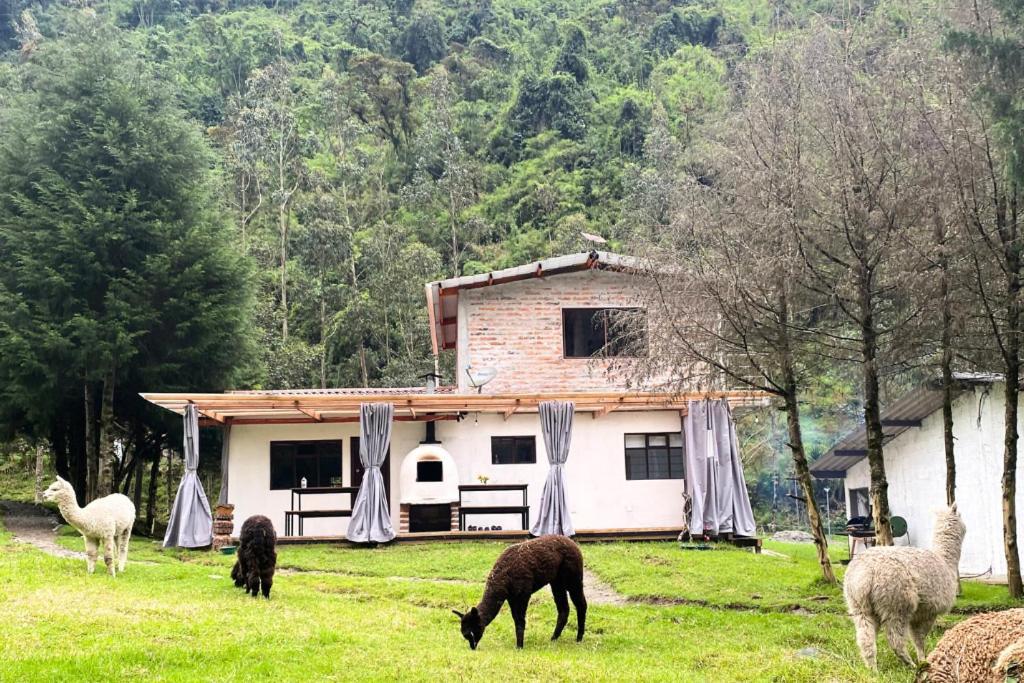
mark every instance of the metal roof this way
{"type": "Point", "coordinates": [443, 295]}
{"type": "Point", "coordinates": [905, 413]}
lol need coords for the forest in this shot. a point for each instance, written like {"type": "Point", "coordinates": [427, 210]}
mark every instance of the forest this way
{"type": "Point", "coordinates": [201, 195]}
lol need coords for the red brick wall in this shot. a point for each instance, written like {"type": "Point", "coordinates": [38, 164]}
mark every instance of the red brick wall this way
{"type": "Point", "coordinates": [517, 329]}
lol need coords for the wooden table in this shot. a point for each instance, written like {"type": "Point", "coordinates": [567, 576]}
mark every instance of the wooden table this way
{"type": "Point", "coordinates": [522, 510]}
{"type": "Point", "coordinates": [298, 513]}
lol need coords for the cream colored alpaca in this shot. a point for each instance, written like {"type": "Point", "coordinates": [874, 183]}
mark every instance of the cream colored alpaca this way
{"type": "Point", "coordinates": [903, 590]}
{"type": "Point", "coordinates": [107, 521]}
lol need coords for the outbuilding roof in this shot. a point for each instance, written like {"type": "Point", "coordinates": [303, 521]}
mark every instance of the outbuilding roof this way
{"type": "Point", "coordinates": [443, 295]}
{"type": "Point", "coordinates": [905, 413]}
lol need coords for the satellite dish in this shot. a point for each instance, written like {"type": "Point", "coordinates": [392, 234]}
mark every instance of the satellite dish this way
{"type": "Point", "coordinates": [596, 239]}
{"type": "Point", "coordinates": [478, 377]}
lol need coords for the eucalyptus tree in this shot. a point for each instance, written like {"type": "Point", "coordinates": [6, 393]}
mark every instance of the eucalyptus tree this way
{"type": "Point", "coordinates": [268, 141]}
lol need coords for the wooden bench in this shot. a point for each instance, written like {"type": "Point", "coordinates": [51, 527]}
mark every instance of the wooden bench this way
{"type": "Point", "coordinates": [522, 510]}
{"type": "Point", "coordinates": [291, 515]}
{"type": "Point", "coordinates": [297, 513]}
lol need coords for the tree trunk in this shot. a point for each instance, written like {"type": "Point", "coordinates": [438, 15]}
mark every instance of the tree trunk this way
{"type": "Point", "coordinates": [947, 393]}
{"type": "Point", "coordinates": [803, 475]}
{"type": "Point", "coordinates": [1012, 362]}
{"type": "Point", "coordinates": [946, 361]}
{"type": "Point", "coordinates": [170, 481]}
{"type": "Point", "coordinates": [78, 456]}
{"type": "Point", "coordinates": [873, 416]}
{"type": "Point", "coordinates": [323, 333]}
{"type": "Point", "coordinates": [91, 450]}
{"type": "Point", "coordinates": [137, 488]}
{"type": "Point", "coordinates": [107, 454]}
{"type": "Point", "coordinates": [796, 442]}
{"type": "Point", "coordinates": [60, 448]}
{"type": "Point", "coordinates": [40, 460]}
{"type": "Point", "coordinates": [154, 479]}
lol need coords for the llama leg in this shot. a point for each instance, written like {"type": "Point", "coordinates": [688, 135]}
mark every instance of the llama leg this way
{"type": "Point", "coordinates": [579, 601]}
{"type": "Point", "coordinates": [561, 596]}
{"type": "Point", "coordinates": [122, 559]}
{"type": "Point", "coordinates": [91, 548]}
{"type": "Point", "coordinates": [108, 555]}
{"type": "Point", "coordinates": [896, 634]}
{"type": "Point", "coordinates": [518, 608]}
{"type": "Point", "coordinates": [919, 630]}
{"type": "Point", "coordinates": [867, 632]}
{"type": "Point", "coordinates": [266, 581]}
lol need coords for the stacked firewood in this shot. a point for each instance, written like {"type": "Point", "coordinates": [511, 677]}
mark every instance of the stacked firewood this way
{"type": "Point", "coordinates": [223, 525]}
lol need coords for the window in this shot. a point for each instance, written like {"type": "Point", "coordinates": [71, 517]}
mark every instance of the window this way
{"type": "Point", "coordinates": [513, 450]}
{"type": "Point", "coordinates": [318, 461]}
{"type": "Point", "coordinates": [860, 503]}
{"type": "Point", "coordinates": [430, 470]}
{"type": "Point", "coordinates": [654, 456]}
{"type": "Point", "coordinates": [589, 332]}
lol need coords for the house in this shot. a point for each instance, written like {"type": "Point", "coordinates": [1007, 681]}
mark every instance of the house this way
{"type": "Point", "coordinates": [520, 336]}
{"type": "Point", "coordinates": [915, 467]}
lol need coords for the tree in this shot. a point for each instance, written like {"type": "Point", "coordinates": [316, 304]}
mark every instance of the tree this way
{"type": "Point", "coordinates": [990, 148]}
{"type": "Point", "coordinates": [726, 306]}
{"type": "Point", "coordinates": [116, 277]}
{"type": "Point", "coordinates": [446, 177]}
{"type": "Point", "coordinates": [267, 135]}
{"type": "Point", "coordinates": [864, 196]}
{"type": "Point", "coordinates": [423, 41]}
{"type": "Point", "coordinates": [380, 96]}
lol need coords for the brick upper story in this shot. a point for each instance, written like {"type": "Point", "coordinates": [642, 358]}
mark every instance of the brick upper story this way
{"type": "Point", "coordinates": [517, 329]}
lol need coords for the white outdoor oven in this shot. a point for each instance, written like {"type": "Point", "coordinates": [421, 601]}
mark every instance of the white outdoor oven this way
{"type": "Point", "coordinates": [429, 486]}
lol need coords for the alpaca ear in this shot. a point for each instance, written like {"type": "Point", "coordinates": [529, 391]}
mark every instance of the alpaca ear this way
{"type": "Point", "coordinates": [952, 508]}
{"type": "Point", "coordinates": [473, 611]}
{"type": "Point", "coordinates": [458, 613]}
{"type": "Point", "coordinates": [61, 480]}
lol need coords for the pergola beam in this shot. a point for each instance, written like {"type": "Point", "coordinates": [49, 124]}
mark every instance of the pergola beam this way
{"type": "Point", "coordinates": [271, 408]}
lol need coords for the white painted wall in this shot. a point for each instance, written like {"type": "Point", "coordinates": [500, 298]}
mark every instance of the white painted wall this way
{"type": "Point", "coordinates": [600, 497]}
{"type": "Point", "coordinates": [916, 470]}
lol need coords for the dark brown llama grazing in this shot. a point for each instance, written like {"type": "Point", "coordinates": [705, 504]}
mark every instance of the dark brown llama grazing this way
{"type": "Point", "coordinates": [257, 557]}
{"type": "Point", "coordinates": [522, 570]}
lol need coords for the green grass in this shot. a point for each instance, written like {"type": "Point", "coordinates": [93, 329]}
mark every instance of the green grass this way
{"type": "Point", "coordinates": [359, 614]}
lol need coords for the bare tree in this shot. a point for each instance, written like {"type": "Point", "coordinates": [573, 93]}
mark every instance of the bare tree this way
{"type": "Point", "coordinates": [725, 306]}
{"type": "Point", "coordinates": [987, 200]}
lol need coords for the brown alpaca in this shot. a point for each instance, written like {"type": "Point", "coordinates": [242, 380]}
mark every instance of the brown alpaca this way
{"type": "Point", "coordinates": [522, 570]}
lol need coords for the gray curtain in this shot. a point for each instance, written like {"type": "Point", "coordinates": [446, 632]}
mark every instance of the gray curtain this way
{"type": "Point", "coordinates": [190, 524]}
{"type": "Point", "coordinates": [371, 519]}
{"type": "Point", "coordinates": [556, 426]}
{"type": "Point", "coordinates": [714, 472]}
{"type": "Point", "coordinates": [222, 499]}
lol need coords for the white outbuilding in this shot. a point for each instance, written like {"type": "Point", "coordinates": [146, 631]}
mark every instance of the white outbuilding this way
{"type": "Point", "coordinates": [915, 468]}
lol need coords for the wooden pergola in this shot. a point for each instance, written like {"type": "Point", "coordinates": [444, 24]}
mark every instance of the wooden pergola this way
{"type": "Point", "coordinates": [326, 406]}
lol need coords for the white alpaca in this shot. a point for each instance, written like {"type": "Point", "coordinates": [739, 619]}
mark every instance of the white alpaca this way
{"type": "Point", "coordinates": [904, 590]}
{"type": "Point", "coordinates": [106, 520]}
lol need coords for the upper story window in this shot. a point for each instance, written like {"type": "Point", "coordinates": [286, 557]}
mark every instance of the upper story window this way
{"type": "Point", "coordinates": [318, 461]}
{"type": "Point", "coordinates": [513, 450]}
{"type": "Point", "coordinates": [589, 332]}
{"type": "Point", "coordinates": [654, 456]}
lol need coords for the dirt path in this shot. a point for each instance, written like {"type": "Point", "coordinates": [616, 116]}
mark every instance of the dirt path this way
{"type": "Point", "coordinates": [600, 593]}
{"type": "Point", "coordinates": [35, 525]}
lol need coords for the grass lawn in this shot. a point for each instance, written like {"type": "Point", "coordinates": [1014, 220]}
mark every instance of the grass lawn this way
{"type": "Point", "coordinates": [361, 614]}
